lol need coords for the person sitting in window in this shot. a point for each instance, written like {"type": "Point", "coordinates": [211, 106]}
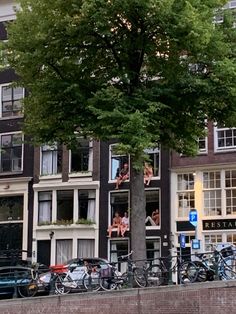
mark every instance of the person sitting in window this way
{"type": "Point", "coordinates": [148, 173]}
{"type": "Point", "coordinates": [123, 175]}
{"type": "Point", "coordinates": [124, 224]}
{"type": "Point", "coordinates": [154, 219]}
{"type": "Point", "coordinates": [116, 223]}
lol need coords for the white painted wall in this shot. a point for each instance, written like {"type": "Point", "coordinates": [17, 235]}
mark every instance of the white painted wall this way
{"type": "Point", "coordinates": [7, 10]}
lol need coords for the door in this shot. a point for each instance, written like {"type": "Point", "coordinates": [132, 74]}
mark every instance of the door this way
{"type": "Point", "coordinates": [44, 252]}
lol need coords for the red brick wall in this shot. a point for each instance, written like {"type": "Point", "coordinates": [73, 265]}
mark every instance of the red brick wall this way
{"type": "Point", "coordinates": [205, 159]}
{"type": "Point", "coordinates": [205, 298]}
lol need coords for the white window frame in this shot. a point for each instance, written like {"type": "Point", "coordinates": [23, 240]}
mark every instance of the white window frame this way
{"type": "Point", "coordinates": [230, 188]}
{"type": "Point", "coordinates": [9, 117]}
{"type": "Point", "coordinates": [54, 175]}
{"type": "Point", "coordinates": [154, 151]}
{"type": "Point", "coordinates": [127, 191]}
{"type": "Point", "coordinates": [22, 153]}
{"type": "Point", "coordinates": [209, 189]}
{"type": "Point", "coordinates": [203, 150]}
{"type": "Point", "coordinates": [185, 191]}
{"type": "Point", "coordinates": [110, 163]}
{"type": "Point", "coordinates": [218, 149]}
{"type": "Point", "coordinates": [90, 165]}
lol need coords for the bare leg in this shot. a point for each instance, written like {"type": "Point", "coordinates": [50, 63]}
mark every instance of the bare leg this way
{"type": "Point", "coordinates": [109, 230]}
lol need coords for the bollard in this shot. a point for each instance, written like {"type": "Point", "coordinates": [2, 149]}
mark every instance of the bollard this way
{"type": "Point", "coordinates": [130, 275]}
{"type": "Point", "coordinates": [15, 294]}
{"type": "Point", "coordinates": [216, 265]}
{"type": "Point", "coordinates": [52, 284]}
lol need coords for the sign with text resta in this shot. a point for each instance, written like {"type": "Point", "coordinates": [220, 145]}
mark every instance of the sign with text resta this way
{"type": "Point", "coordinates": [193, 217]}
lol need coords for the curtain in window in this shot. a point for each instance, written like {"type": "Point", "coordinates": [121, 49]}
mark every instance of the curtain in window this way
{"type": "Point", "coordinates": [85, 248]}
{"type": "Point", "coordinates": [114, 257]}
{"type": "Point", "coordinates": [63, 251]}
{"type": "Point", "coordinates": [49, 162]}
{"type": "Point", "coordinates": [45, 208]}
{"type": "Point", "coordinates": [91, 206]}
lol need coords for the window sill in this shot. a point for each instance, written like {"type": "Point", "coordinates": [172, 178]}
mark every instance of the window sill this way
{"type": "Point", "coordinates": [72, 226]}
{"type": "Point", "coordinates": [224, 150]}
{"type": "Point", "coordinates": [11, 221]}
{"type": "Point", "coordinates": [50, 177]}
{"type": "Point", "coordinates": [152, 179]}
{"type": "Point", "coordinates": [12, 173]}
{"type": "Point", "coordinates": [12, 117]}
{"type": "Point", "coordinates": [80, 174]}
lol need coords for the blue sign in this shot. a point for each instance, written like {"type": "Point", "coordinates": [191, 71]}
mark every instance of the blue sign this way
{"type": "Point", "coordinates": [195, 244]}
{"type": "Point", "coordinates": [182, 240]}
{"type": "Point", "coordinates": [193, 217]}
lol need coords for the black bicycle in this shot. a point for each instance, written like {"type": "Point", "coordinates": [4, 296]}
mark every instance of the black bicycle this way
{"type": "Point", "coordinates": [161, 270]}
{"type": "Point", "coordinates": [134, 276]}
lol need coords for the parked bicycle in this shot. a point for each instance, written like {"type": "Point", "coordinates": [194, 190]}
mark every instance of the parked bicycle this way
{"type": "Point", "coordinates": [134, 276]}
{"type": "Point", "coordinates": [38, 279]}
{"type": "Point", "coordinates": [160, 272]}
{"type": "Point", "coordinates": [219, 264]}
{"type": "Point", "coordinates": [78, 278]}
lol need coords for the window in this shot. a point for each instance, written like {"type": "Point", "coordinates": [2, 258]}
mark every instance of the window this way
{"type": "Point", "coordinates": [212, 239]}
{"type": "Point", "coordinates": [153, 248]}
{"type": "Point", "coordinates": [186, 197]}
{"type": "Point", "coordinates": [65, 205]}
{"type": "Point", "coordinates": [202, 145]}
{"type": "Point", "coordinates": [225, 138]}
{"type": "Point", "coordinates": [63, 251]}
{"type": "Point", "coordinates": [11, 208]}
{"type": "Point", "coordinates": [119, 203]}
{"type": "Point", "coordinates": [11, 152]}
{"type": "Point", "coordinates": [51, 160]}
{"type": "Point", "coordinates": [85, 248]}
{"type": "Point", "coordinates": [212, 193]}
{"type": "Point", "coordinates": [11, 98]}
{"type": "Point", "coordinates": [231, 238]}
{"type": "Point", "coordinates": [82, 157]}
{"type": "Point", "coordinates": [152, 208]}
{"type": "Point", "coordinates": [117, 249]}
{"type": "Point", "coordinates": [87, 205]}
{"type": "Point", "coordinates": [45, 207]}
{"type": "Point", "coordinates": [117, 162]}
{"type": "Point", "coordinates": [186, 181]}
{"type": "Point", "coordinates": [230, 185]}
{"type": "Point", "coordinates": [154, 155]}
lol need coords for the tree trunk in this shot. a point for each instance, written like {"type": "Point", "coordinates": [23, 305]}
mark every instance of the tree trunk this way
{"type": "Point", "coordinates": [138, 214]}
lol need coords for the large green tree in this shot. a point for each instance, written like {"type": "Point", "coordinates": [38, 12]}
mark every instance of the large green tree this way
{"type": "Point", "coordinates": [143, 72]}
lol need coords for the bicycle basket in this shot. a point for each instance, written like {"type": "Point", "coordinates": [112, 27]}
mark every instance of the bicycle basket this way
{"type": "Point", "coordinates": [228, 251]}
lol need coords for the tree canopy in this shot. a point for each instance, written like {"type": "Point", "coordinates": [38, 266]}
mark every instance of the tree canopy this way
{"type": "Point", "coordinates": [144, 72]}
{"type": "Point", "coordinates": [141, 71]}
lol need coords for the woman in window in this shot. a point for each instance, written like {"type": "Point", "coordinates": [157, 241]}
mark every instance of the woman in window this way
{"type": "Point", "coordinates": [148, 173]}
{"type": "Point", "coordinates": [122, 176]}
{"type": "Point", "coordinates": [116, 223]}
{"type": "Point", "coordinates": [124, 224]}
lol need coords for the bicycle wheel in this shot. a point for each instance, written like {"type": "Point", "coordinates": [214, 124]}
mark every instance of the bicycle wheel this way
{"type": "Point", "coordinates": [188, 272]}
{"type": "Point", "coordinates": [154, 276]}
{"type": "Point", "coordinates": [63, 284]}
{"type": "Point", "coordinates": [92, 282]}
{"type": "Point", "coordinates": [27, 288]}
{"type": "Point", "coordinates": [201, 272]}
{"type": "Point", "coordinates": [140, 277]}
{"type": "Point", "coordinates": [228, 268]}
{"type": "Point", "coordinates": [109, 283]}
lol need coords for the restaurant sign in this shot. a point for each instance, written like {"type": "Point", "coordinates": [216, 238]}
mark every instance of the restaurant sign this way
{"type": "Point", "coordinates": [219, 224]}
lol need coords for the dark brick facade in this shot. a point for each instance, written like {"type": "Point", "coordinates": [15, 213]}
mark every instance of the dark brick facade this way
{"type": "Point", "coordinates": [210, 158]}
{"type": "Point", "coordinates": [106, 187]}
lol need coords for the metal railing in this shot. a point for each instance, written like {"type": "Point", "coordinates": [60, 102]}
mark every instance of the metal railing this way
{"type": "Point", "coordinates": [186, 269]}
